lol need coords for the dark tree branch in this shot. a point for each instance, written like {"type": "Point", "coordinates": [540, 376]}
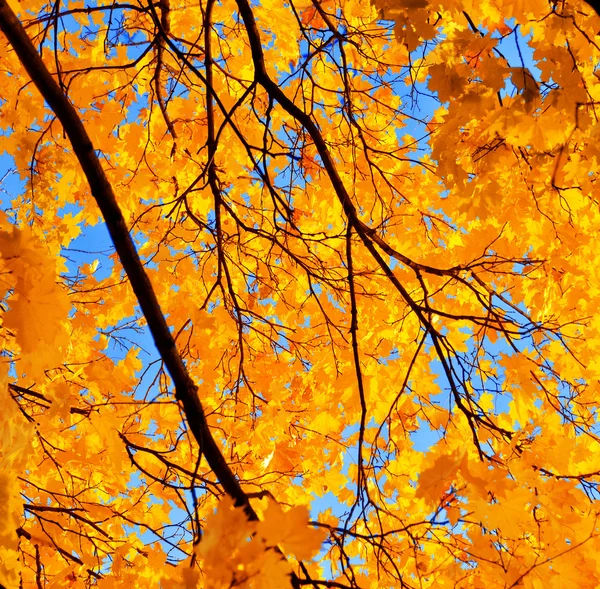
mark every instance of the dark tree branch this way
{"type": "Point", "coordinates": [186, 390]}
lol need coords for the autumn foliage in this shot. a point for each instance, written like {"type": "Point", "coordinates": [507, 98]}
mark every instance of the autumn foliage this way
{"type": "Point", "coordinates": [299, 293]}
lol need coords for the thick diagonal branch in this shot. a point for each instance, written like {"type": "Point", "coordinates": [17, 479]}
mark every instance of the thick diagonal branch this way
{"type": "Point", "coordinates": [185, 389]}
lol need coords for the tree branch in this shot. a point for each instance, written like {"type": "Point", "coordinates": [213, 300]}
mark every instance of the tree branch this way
{"type": "Point", "coordinates": [186, 390]}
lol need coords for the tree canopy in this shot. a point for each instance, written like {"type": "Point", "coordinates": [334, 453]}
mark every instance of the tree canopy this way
{"type": "Point", "coordinates": [299, 293]}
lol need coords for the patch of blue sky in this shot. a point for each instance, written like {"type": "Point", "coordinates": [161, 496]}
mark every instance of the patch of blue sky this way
{"type": "Point", "coordinates": [92, 244]}
{"type": "Point", "coordinates": [11, 183]}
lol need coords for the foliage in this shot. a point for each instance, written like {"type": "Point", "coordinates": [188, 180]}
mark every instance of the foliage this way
{"type": "Point", "coordinates": [372, 232]}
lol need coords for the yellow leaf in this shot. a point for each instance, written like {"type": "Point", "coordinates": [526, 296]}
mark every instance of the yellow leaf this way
{"type": "Point", "coordinates": [290, 529]}
{"type": "Point", "coordinates": [436, 479]}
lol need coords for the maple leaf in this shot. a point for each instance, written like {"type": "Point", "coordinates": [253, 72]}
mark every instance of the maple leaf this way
{"type": "Point", "coordinates": [436, 479]}
{"type": "Point", "coordinates": [232, 553]}
{"type": "Point", "coordinates": [446, 81]}
{"type": "Point", "coordinates": [225, 531]}
{"type": "Point", "coordinates": [291, 530]}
